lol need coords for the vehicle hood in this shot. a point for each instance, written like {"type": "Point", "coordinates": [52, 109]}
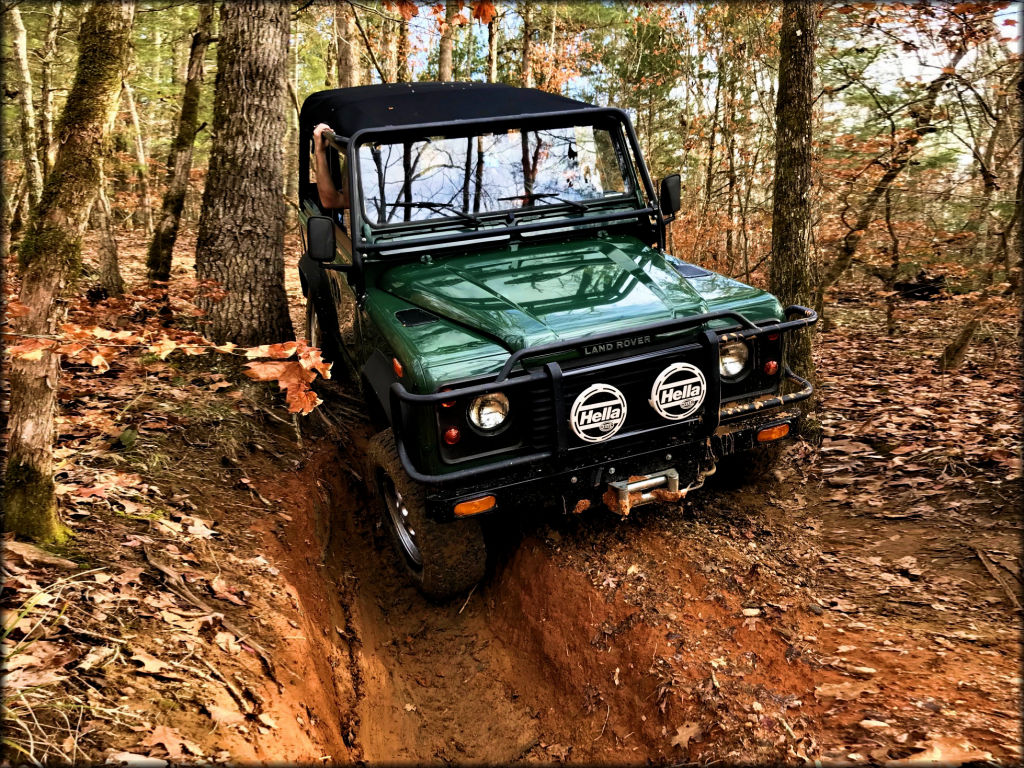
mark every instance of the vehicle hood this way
{"type": "Point", "coordinates": [546, 293]}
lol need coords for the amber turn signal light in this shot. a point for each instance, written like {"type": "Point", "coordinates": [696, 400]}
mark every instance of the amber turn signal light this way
{"type": "Point", "coordinates": [475, 506]}
{"type": "Point", "coordinates": [771, 367]}
{"type": "Point", "coordinates": [397, 367]}
{"type": "Point", "coordinates": [447, 403]}
{"type": "Point", "coordinates": [452, 436]}
{"type": "Point", "coordinates": [773, 433]}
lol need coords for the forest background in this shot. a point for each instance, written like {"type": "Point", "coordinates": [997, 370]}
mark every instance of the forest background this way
{"type": "Point", "coordinates": [914, 259]}
{"type": "Point", "coordinates": [699, 81]}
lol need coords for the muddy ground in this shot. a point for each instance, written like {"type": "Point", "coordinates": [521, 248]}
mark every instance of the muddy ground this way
{"type": "Point", "coordinates": [231, 597]}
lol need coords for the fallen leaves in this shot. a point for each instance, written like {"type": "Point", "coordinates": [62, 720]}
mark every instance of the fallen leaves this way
{"type": "Point", "coordinates": [684, 734]}
{"type": "Point", "coordinates": [222, 591]}
{"type": "Point", "coordinates": [943, 751]}
{"type": "Point", "coordinates": [151, 665]}
{"type": "Point", "coordinates": [172, 742]}
{"type": "Point", "coordinates": [30, 554]}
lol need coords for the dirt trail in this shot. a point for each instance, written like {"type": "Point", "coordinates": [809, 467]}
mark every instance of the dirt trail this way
{"type": "Point", "coordinates": [683, 633]}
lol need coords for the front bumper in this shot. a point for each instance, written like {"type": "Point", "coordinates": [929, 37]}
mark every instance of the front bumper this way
{"type": "Point", "coordinates": [588, 483]}
{"type": "Point", "coordinates": [559, 462]}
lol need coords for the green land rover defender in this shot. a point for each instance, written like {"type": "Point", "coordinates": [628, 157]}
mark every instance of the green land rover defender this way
{"type": "Point", "coordinates": [499, 290]}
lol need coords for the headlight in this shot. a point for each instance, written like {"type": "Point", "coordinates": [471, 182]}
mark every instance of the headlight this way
{"type": "Point", "coordinates": [732, 359]}
{"type": "Point", "coordinates": [488, 412]}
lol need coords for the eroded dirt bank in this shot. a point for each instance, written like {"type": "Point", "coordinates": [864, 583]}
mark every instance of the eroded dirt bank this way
{"type": "Point", "coordinates": [711, 631]}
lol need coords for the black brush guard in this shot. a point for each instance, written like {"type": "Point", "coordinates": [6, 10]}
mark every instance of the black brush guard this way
{"type": "Point", "coordinates": [797, 317]}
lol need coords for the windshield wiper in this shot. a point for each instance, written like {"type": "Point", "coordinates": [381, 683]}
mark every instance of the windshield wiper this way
{"type": "Point", "coordinates": [574, 204]}
{"type": "Point", "coordinates": [442, 207]}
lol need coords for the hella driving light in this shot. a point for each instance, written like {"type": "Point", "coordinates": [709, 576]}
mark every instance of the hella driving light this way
{"type": "Point", "coordinates": [732, 359]}
{"type": "Point", "coordinates": [488, 412]}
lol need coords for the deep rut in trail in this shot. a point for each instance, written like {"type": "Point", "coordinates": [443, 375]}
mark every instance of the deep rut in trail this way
{"type": "Point", "coordinates": [685, 632]}
{"type": "Point", "coordinates": [535, 663]}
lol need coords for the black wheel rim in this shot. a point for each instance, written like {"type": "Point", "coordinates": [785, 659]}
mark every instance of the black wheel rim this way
{"type": "Point", "coordinates": [398, 512]}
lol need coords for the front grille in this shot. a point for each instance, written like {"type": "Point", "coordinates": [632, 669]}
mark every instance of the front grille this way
{"type": "Point", "coordinates": [633, 377]}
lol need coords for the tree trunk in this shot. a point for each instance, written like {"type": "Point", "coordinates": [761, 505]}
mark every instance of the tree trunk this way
{"type": "Point", "coordinates": [709, 178]}
{"type": "Point", "coordinates": [893, 272]}
{"type": "Point", "coordinates": [492, 50]}
{"type": "Point", "coordinates": [46, 57]}
{"type": "Point", "coordinates": [349, 64]}
{"type": "Point", "coordinates": [51, 261]}
{"type": "Point", "coordinates": [29, 140]}
{"type": "Point", "coordinates": [790, 271]}
{"type": "Point", "coordinates": [526, 65]}
{"type": "Point", "coordinates": [241, 229]}
{"type": "Point", "coordinates": [7, 214]}
{"type": "Point", "coordinates": [291, 180]}
{"type": "Point", "coordinates": [161, 248]}
{"type": "Point", "coordinates": [444, 56]}
{"type": "Point", "coordinates": [109, 271]}
{"type": "Point", "coordinates": [142, 165]}
{"type": "Point", "coordinates": [404, 51]}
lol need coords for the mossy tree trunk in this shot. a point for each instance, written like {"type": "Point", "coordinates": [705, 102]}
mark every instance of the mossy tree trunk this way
{"type": "Point", "coordinates": [790, 274]}
{"type": "Point", "coordinates": [158, 259]}
{"type": "Point", "coordinates": [50, 262]}
{"type": "Point", "coordinates": [240, 245]}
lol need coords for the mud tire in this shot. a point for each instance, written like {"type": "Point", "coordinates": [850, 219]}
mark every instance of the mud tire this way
{"type": "Point", "coordinates": [747, 468]}
{"type": "Point", "coordinates": [453, 556]}
{"type": "Point", "coordinates": [315, 334]}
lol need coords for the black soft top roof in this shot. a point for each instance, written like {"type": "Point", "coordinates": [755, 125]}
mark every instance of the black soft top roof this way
{"type": "Point", "coordinates": [348, 110]}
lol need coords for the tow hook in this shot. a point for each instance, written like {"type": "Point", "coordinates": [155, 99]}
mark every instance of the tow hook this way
{"type": "Point", "coordinates": [663, 486]}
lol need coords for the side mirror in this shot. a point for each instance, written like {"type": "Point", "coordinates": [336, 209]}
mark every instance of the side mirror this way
{"type": "Point", "coordinates": [671, 194]}
{"type": "Point", "coordinates": [320, 236]}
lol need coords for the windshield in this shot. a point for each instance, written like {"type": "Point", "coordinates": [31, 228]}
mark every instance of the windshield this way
{"type": "Point", "coordinates": [465, 177]}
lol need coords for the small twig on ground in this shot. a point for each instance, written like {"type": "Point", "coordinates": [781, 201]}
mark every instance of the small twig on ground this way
{"type": "Point", "coordinates": [236, 694]}
{"type": "Point", "coordinates": [270, 413]}
{"type": "Point", "coordinates": [998, 577]}
{"type": "Point", "coordinates": [298, 430]}
{"type": "Point", "coordinates": [467, 599]}
{"type": "Point", "coordinates": [178, 586]}
{"type": "Point", "coordinates": [63, 622]}
{"type": "Point", "coordinates": [607, 714]}
{"type": "Point", "coordinates": [131, 402]}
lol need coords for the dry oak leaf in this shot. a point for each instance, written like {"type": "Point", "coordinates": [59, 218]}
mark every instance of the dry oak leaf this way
{"type": "Point", "coordinates": [15, 308]}
{"type": "Point", "coordinates": [171, 741]}
{"type": "Point", "coordinates": [32, 349]}
{"type": "Point", "coordinates": [684, 733]}
{"type": "Point", "coordinates": [484, 11]}
{"type": "Point", "coordinates": [224, 715]}
{"type": "Point", "coordinates": [406, 8]}
{"type": "Point", "coordinates": [163, 347]}
{"type": "Point", "coordinates": [293, 378]}
{"type": "Point", "coordinates": [151, 665]}
{"type": "Point", "coordinates": [943, 751]}
{"type": "Point", "coordinates": [33, 554]}
{"type": "Point", "coordinates": [276, 351]}
{"type": "Point", "coordinates": [133, 760]}
{"type": "Point", "coordinates": [223, 592]}
{"type": "Point", "coordinates": [843, 691]}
